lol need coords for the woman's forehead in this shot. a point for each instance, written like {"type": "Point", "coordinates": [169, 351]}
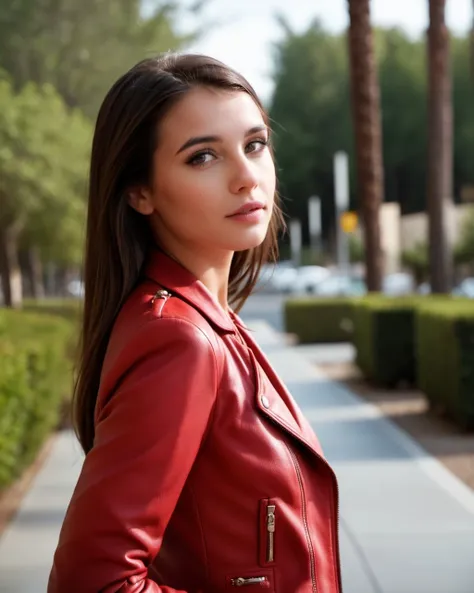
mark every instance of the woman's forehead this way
{"type": "Point", "coordinates": [207, 111]}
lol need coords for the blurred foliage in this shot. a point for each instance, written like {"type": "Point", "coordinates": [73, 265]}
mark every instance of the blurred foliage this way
{"type": "Point", "coordinates": [444, 338]}
{"type": "Point", "coordinates": [384, 339]}
{"type": "Point", "coordinates": [356, 249]}
{"type": "Point", "coordinates": [81, 48]}
{"type": "Point", "coordinates": [319, 320]}
{"type": "Point", "coordinates": [44, 151]}
{"type": "Point", "coordinates": [35, 382]}
{"type": "Point", "coordinates": [416, 260]}
{"type": "Point", "coordinates": [464, 251]}
{"type": "Point", "coordinates": [310, 115]}
{"type": "Point", "coordinates": [58, 58]}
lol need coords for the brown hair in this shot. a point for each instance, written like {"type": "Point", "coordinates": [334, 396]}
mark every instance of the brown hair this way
{"type": "Point", "coordinates": [118, 238]}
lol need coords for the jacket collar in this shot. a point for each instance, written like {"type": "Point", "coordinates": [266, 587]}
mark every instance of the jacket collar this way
{"type": "Point", "coordinates": [171, 275]}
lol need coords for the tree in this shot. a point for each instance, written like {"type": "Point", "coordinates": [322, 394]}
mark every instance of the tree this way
{"type": "Point", "coordinates": [440, 149]}
{"type": "Point", "coordinates": [367, 127]}
{"type": "Point", "coordinates": [311, 117]}
{"type": "Point", "coordinates": [416, 260]}
{"type": "Point", "coordinates": [82, 47]}
{"type": "Point", "coordinates": [463, 112]}
{"type": "Point", "coordinates": [464, 249]}
{"type": "Point", "coordinates": [356, 249]}
{"type": "Point", "coordinates": [310, 113]}
{"type": "Point", "coordinates": [402, 76]}
{"type": "Point", "coordinates": [44, 150]}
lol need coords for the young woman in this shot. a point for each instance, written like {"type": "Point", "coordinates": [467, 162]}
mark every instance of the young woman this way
{"type": "Point", "coordinates": [201, 474]}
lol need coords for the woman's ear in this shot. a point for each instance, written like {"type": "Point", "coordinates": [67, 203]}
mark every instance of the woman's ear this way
{"type": "Point", "coordinates": [140, 200]}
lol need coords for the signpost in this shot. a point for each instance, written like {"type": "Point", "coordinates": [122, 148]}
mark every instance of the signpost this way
{"type": "Point", "coordinates": [314, 222]}
{"type": "Point", "coordinates": [295, 241]}
{"type": "Point", "coordinates": [341, 185]}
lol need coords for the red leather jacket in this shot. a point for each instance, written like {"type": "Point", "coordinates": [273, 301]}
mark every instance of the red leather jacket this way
{"type": "Point", "coordinates": [204, 476]}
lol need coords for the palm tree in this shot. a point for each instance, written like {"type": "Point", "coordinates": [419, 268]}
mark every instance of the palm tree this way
{"type": "Point", "coordinates": [368, 135]}
{"type": "Point", "coordinates": [440, 150]}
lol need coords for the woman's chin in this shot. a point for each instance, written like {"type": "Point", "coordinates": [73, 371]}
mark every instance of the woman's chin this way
{"type": "Point", "coordinates": [249, 239]}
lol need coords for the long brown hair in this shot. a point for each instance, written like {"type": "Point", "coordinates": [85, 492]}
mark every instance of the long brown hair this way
{"type": "Point", "coordinates": [118, 238]}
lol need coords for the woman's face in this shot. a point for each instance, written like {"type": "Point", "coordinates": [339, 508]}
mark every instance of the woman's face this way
{"type": "Point", "coordinates": [211, 160]}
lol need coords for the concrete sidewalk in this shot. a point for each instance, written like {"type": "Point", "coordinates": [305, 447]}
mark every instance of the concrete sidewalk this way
{"type": "Point", "coordinates": [407, 525]}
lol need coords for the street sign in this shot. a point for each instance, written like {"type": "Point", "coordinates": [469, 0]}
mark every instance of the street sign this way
{"type": "Point", "coordinates": [349, 222]}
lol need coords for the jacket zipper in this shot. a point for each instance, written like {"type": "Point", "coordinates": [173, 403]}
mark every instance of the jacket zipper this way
{"type": "Point", "coordinates": [271, 532]}
{"type": "Point", "coordinates": [336, 533]}
{"type": "Point", "coordinates": [241, 581]}
{"type": "Point", "coordinates": [305, 518]}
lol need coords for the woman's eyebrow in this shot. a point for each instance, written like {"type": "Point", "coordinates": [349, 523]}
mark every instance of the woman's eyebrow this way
{"type": "Point", "coordinates": [208, 139]}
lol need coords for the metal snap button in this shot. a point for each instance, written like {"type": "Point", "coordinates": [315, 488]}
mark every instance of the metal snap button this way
{"type": "Point", "coordinates": [265, 402]}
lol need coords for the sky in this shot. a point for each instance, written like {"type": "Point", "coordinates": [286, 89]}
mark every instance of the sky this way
{"type": "Point", "coordinates": [244, 30]}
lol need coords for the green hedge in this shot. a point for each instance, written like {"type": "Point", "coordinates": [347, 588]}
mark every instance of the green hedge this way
{"type": "Point", "coordinates": [35, 377]}
{"type": "Point", "coordinates": [445, 350]}
{"type": "Point", "coordinates": [321, 320]}
{"type": "Point", "coordinates": [384, 339]}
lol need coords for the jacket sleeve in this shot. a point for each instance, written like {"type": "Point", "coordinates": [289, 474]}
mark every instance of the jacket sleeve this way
{"type": "Point", "coordinates": [147, 437]}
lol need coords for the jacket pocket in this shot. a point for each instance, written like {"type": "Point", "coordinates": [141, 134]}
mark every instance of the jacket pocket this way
{"type": "Point", "coordinates": [268, 522]}
{"type": "Point", "coordinates": [251, 581]}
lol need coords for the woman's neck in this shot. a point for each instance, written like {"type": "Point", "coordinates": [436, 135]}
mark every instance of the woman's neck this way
{"type": "Point", "coordinates": [213, 271]}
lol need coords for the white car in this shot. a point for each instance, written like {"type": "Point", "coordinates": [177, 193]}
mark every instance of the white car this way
{"type": "Point", "coordinates": [465, 289]}
{"type": "Point", "coordinates": [341, 285]}
{"type": "Point", "coordinates": [398, 284]}
{"type": "Point", "coordinates": [276, 277]}
{"type": "Point", "coordinates": [284, 277]}
{"type": "Point", "coordinates": [308, 278]}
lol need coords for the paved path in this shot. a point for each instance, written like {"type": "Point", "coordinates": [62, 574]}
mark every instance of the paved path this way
{"type": "Point", "coordinates": [407, 525]}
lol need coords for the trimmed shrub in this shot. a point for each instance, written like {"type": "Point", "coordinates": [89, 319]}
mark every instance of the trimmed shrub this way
{"type": "Point", "coordinates": [384, 339]}
{"type": "Point", "coordinates": [319, 320]}
{"type": "Point", "coordinates": [385, 336]}
{"type": "Point", "coordinates": [445, 351]}
{"type": "Point", "coordinates": [35, 378]}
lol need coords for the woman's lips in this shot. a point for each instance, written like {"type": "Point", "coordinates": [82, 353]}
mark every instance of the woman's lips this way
{"type": "Point", "coordinates": [251, 212]}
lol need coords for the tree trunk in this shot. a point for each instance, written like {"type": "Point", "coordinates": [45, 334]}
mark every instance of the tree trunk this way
{"type": "Point", "coordinates": [368, 135]}
{"type": "Point", "coordinates": [440, 150]}
{"type": "Point", "coordinates": [35, 273]}
{"type": "Point", "coordinates": [10, 270]}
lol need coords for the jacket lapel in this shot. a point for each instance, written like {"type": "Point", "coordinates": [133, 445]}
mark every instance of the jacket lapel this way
{"type": "Point", "coordinates": [274, 400]}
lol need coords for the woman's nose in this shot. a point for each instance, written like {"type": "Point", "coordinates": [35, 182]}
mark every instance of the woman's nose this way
{"type": "Point", "coordinates": [243, 177]}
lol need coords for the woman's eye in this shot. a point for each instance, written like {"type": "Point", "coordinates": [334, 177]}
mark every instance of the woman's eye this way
{"type": "Point", "coordinates": [201, 158]}
{"type": "Point", "coordinates": [256, 145]}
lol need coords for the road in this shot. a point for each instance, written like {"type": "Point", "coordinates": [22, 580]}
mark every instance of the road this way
{"type": "Point", "coordinates": [266, 307]}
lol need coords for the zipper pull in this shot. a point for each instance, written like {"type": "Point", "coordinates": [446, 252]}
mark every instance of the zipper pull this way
{"type": "Point", "coordinates": [160, 294]}
{"type": "Point", "coordinates": [241, 581]}
{"type": "Point", "coordinates": [271, 532]}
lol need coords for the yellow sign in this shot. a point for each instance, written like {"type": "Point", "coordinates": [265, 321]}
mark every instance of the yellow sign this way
{"type": "Point", "coordinates": [349, 222]}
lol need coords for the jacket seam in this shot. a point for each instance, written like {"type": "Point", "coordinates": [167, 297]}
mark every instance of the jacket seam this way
{"type": "Point", "coordinates": [201, 530]}
{"type": "Point", "coordinates": [145, 354]}
{"type": "Point", "coordinates": [201, 331]}
{"type": "Point", "coordinates": [218, 371]}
